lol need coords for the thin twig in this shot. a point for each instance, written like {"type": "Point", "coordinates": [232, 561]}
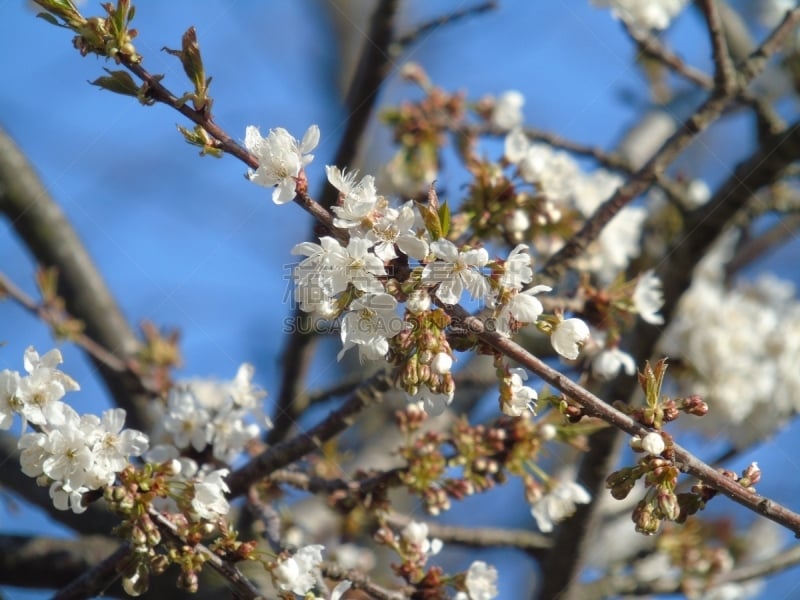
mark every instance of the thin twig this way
{"type": "Point", "coordinates": [411, 37]}
{"type": "Point", "coordinates": [724, 70]}
{"type": "Point", "coordinates": [289, 451]}
{"type": "Point", "coordinates": [652, 47]}
{"type": "Point", "coordinates": [753, 250]}
{"type": "Point", "coordinates": [481, 537]}
{"type": "Point", "coordinates": [97, 579]}
{"type": "Point", "coordinates": [371, 71]}
{"type": "Point", "coordinates": [240, 585]}
{"type": "Point", "coordinates": [643, 178]}
{"type": "Point", "coordinates": [362, 582]}
{"type": "Point", "coordinates": [158, 92]}
{"type": "Point", "coordinates": [46, 315]}
{"type": "Point", "coordinates": [594, 406]}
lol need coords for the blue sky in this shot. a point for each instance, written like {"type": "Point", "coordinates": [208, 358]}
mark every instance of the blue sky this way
{"type": "Point", "coordinates": [186, 242]}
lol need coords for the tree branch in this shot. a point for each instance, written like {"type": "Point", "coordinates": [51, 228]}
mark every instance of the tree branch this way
{"type": "Point", "coordinates": [411, 37]}
{"type": "Point", "coordinates": [291, 450]}
{"type": "Point", "coordinates": [373, 66]}
{"type": "Point", "coordinates": [97, 578]}
{"type": "Point", "coordinates": [482, 537]}
{"type": "Point", "coordinates": [699, 233]}
{"type": "Point", "coordinates": [711, 109]}
{"type": "Point", "coordinates": [48, 234]}
{"type": "Point", "coordinates": [24, 560]}
{"type": "Point", "coordinates": [724, 71]}
{"type": "Point", "coordinates": [595, 407]}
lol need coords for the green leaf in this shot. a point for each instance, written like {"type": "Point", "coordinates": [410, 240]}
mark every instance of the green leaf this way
{"type": "Point", "coordinates": [49, 18]}
{"type": "Point", "coordinates": [119, 82]}
{"type": "Point", "coordinates": [431, 220]}
{"type": "Point", "coordinates": [444, 218]}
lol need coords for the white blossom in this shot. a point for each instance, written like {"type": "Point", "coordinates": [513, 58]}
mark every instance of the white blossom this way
{"type": "Point", "coordinates": [558, 504]}
{"type": "Point", "coordinates": [298, 573]}
{"type": "Point", "coordinates": [187, 420]}
{"type": "Point", "coordinates": [416, 534]}
{"type": "Point", "coordinates": [481, 581]}
{"type": "Point", "coordinates": [648, 298]}
{"type": "Point", "coordinates": [568, 337]}
{"type": "Point", "coordinates": [522, 307]}
{"type": "Point", "coordinates": [66, 498]}
{"type": "Point", "coordinates": [517, 270]}
{"type": "Point", "coordinates": [522, 396]}
{"type": "Point", "coordinates": [9, 383]}
{"type": "Point", "coordinates": [433, 403]}
{"type": "Point", "coordinates": [357, 200]}
{"type": "Point", "coordinates": [371, 321]}
{"type": "Point", "coordinates": [395, 227]}
{"type": "Point", "coordinates": [209, 501]}
{"type": "Point", "coordinates": [69, 457]}
{"type": "Point", "coordinates": [607, 363]}
{"type": "Point", "coordinates": [280, 159]}
{"type": "Point", "coordinates": [507, 111]}
{"type": "Point", "coordinates": [644, 14]}
{"type": "Point", "coordinates": [456, 271]}
{"type": "Point", "coordinates": [418, 302]}
{"type": "Point", "coordinates": [442, 363]}
{"type": "Point", "coordinates": [114, 446]}
{"type": "Point", "coordinates": [653, 443]}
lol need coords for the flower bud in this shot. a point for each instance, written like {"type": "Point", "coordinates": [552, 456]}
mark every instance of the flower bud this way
{"type": "Point", "coordinates": [548, 431]}
{"type": "Point", "coordinates": [668, 505]}
{"type": "Point", "coordinates": [441, 363]}
{"type": "Point", "coordinates": [653, 443]}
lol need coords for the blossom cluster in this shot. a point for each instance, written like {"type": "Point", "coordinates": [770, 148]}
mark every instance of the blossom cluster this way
{"type": "Point", "coordinates": [224, 416]}
{"type": "Point", "coordinates": [71, 453]}
{"type": "Point", "coordinates": [744, 355]}
{"type": "Point", "coordinates": [358, 280]}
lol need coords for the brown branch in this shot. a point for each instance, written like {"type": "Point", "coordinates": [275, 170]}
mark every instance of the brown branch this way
{"type": "Point", "coordinates": [98, 578]}
{"type": "Point", "coordinates": [770, 240]}
{"type": "Point", "coordinates": [53, 242]}
{"type": "Point", "coordinates": [362, 582]}
{"type": "Point", "coordinates": [700, 231]}
{"type": "Point", "coordinates": [24, 560]}
{"type": "Point", "coordinates": [46, 315]}
{"type": "Point", "coordinates": [295, 448]}
{"type": "Point", "coordinates": [724, 70]}
{"type": "Point", "coordinates": [373, 67]}
{"type": "Point", "coordinates": [481, 537]}
{"type": "Point", "coordinates": [651, 46]}
{"type": "Point", "coordinates": [644, 177]}
{"type": "Point", "coordinates": [411, 37]}
{"type": "Point", "coordinates": [595, 407]}
{"type": "Point", "coordinates": [776, 563]}
{"type": "Point", "coordinates": [241, 587]}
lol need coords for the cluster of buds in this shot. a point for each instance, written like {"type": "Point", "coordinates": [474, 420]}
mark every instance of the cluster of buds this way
{"type": "Point", "coordinates": [701, 550]}
{"type": "Point", "coordinates": [414, 547]}
{"type": "Point", "coordinates": [109, 36]}
{"type": "Point", "coordinates": [424, 354]}
{"type": "Point", "coordinates": [419, 129]}
{"type": "Point", "coordinates": [425, 467]}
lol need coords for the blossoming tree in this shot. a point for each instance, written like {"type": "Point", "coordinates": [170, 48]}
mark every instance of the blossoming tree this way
{"type": "Point", "coordinates": [594, 296]}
